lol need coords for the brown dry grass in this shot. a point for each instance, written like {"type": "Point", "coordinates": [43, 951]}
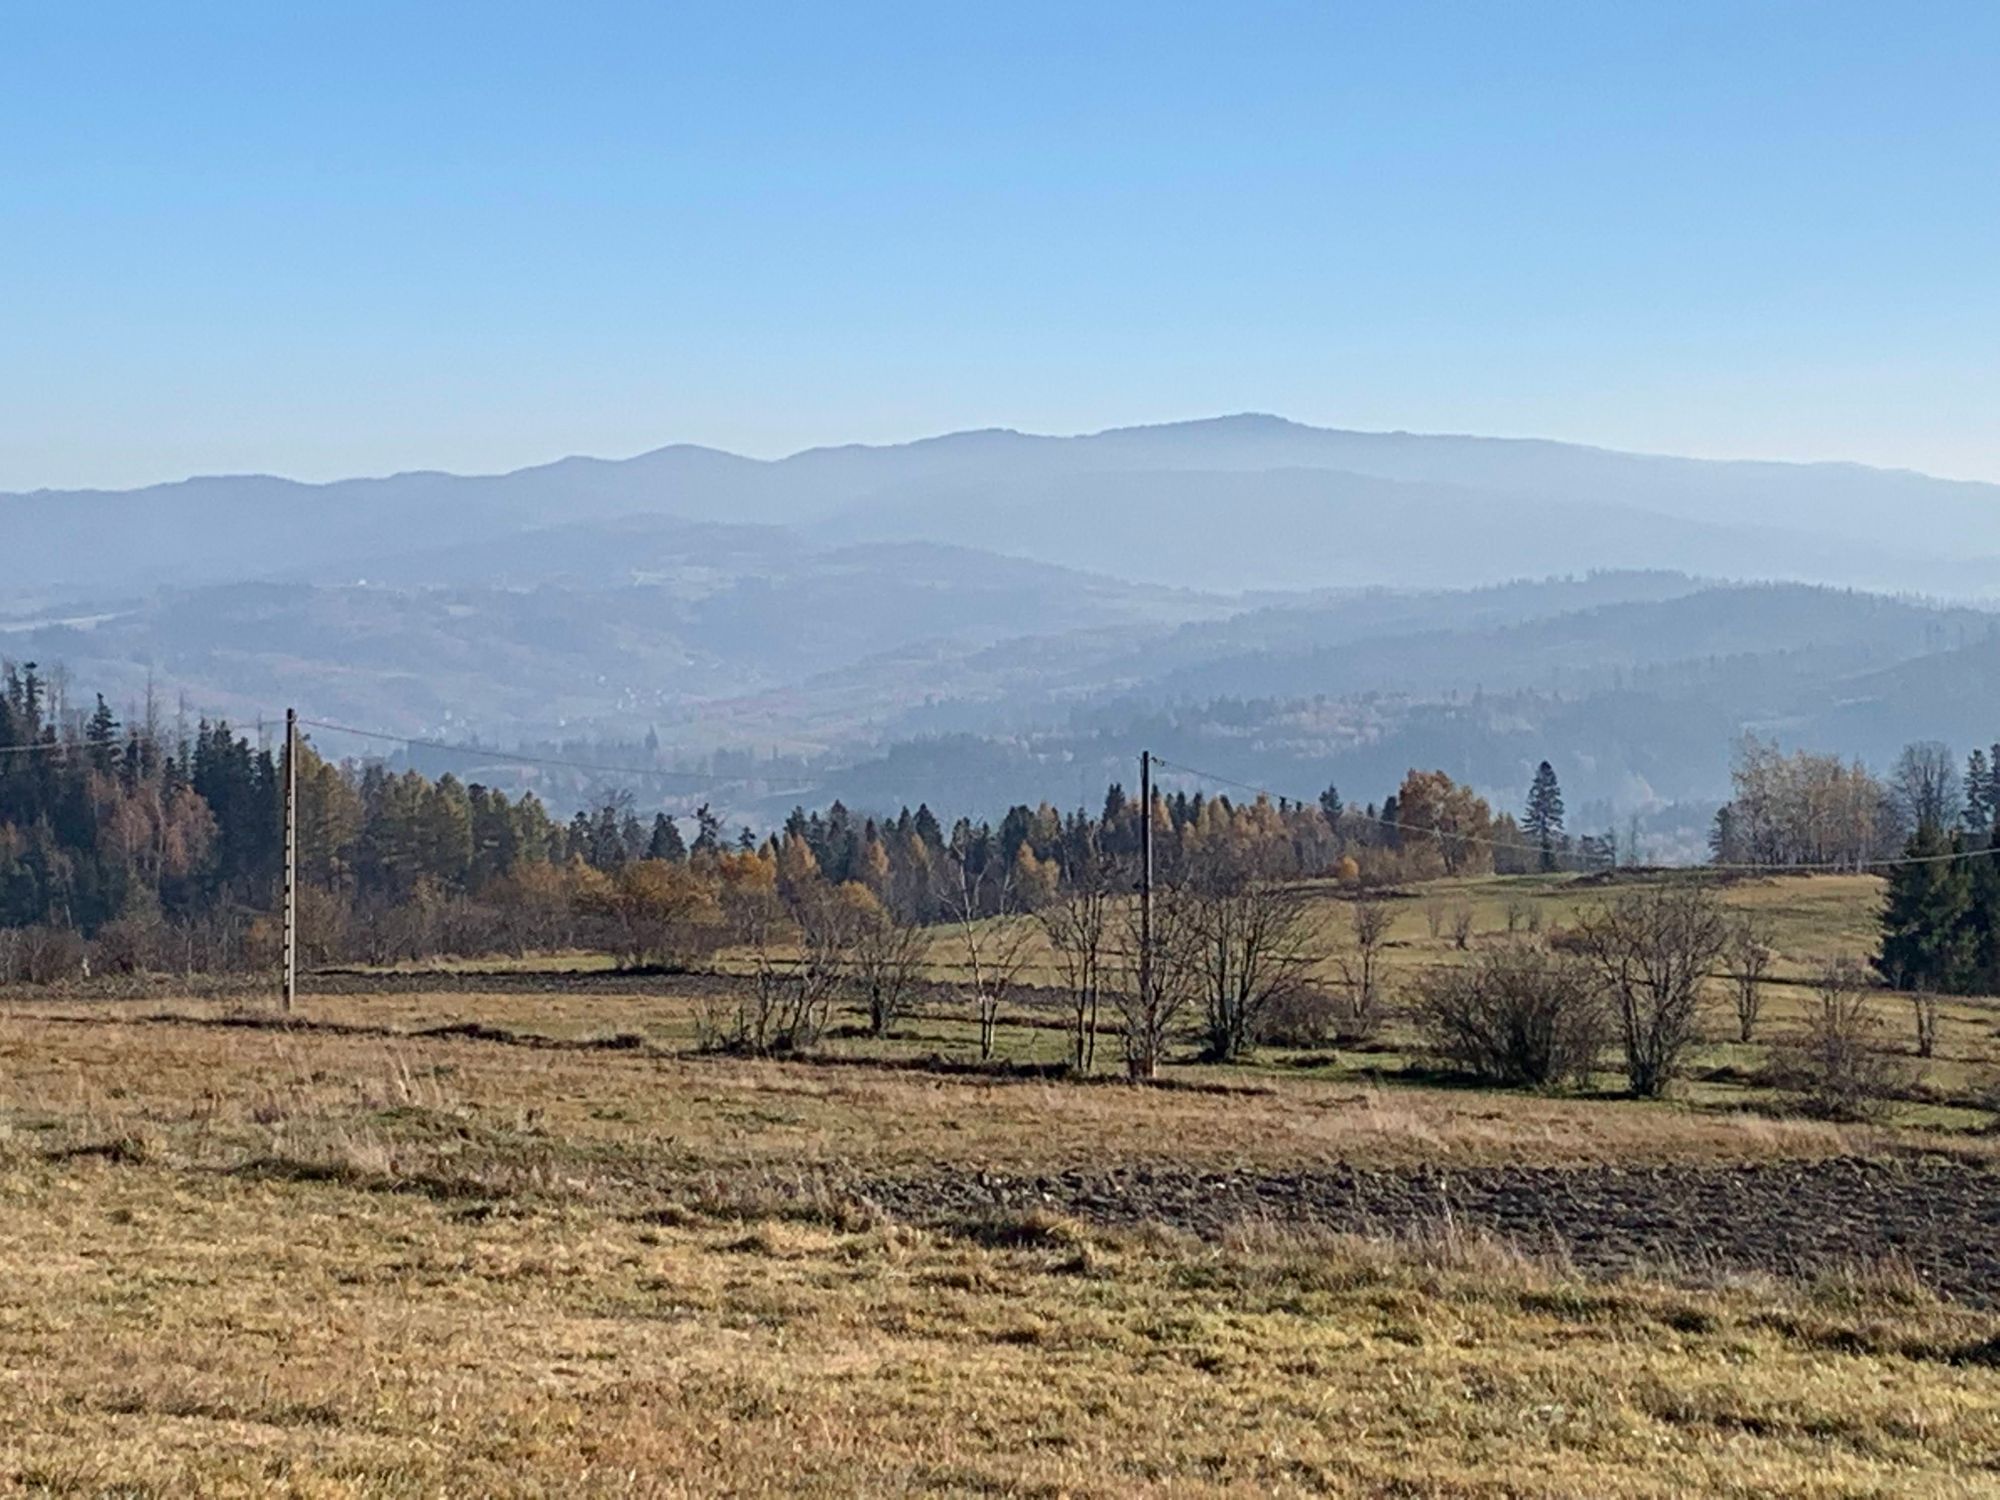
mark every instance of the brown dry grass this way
{"type": "Point", "coordinates": [168, 1333]}
{"type": "Point", "coordinates": [241, 1259]}
{"type": "Point", "coordinates": [223, 1094]}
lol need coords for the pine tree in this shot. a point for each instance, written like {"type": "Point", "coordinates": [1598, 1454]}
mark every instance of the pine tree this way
{"type": "Point", "coordinates": [1543, 819]}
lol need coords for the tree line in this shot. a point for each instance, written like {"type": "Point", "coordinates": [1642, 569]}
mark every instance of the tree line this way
{"type": "Point", "coordinates": [135, 846]}
{"type": "Point", "coordinates": [130, 847]}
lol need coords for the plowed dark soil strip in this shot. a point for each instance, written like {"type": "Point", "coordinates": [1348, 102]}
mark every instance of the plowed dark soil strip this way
{"type": "Point", "coordinates": [1794, 1219]}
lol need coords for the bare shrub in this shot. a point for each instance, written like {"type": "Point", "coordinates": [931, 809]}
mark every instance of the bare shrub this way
{"type": "Point", "coordinates": [1833, 1065]}
{"type": "Point", "coordinates": [1306, 1016]}
{"type": "Point", "coordinates": [798, 954]}
{"type": "Point", "coordinates": [1515, 915]}
{"type": "Point", "coordinates": [829, 920]}
{"type": "Point", "coordinates": [721, 1020]}
{"type": "Point", "coordinates": [1520, 1015]}
{"type": "Point", "coordinates": [1461, 928]}
{"type": "Point", "coordinates": [1434, 916]}
{"type": "Point", "coordinates": [1651, 952]}
{"type": "Point", "coordinates": [41, 954]}
{"type": "Point", "coordinates": [135, 942]}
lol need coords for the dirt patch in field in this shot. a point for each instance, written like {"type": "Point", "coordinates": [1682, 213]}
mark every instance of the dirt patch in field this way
{"type": "Point", "coordinates": [1795, 1219]}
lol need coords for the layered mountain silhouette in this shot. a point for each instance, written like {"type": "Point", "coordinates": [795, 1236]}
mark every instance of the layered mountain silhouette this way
{"type": "Point", "coordinates": [968, 614]}
{"type": "Point", "coordinates": [1230, 503]}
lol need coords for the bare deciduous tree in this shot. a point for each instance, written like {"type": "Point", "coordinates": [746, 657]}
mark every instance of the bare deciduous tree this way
{"type": "Point", "coordinates": [1924, 785]}
{"type": "Point", "coordinates": [972, 889]}
{"type": "Point", "coordinates": [1153, 996]}
{"type": "Point", "coordinates": [1258, 944]}
{"type": "Point", "coordinates": [1079, 926]}
{"type": "Point", "coordinates": [1361, 965]}
{"type": "Point", "coordinates": [1750, 957]}
{"type": "Point", "coordinates": [1652, 952]}
{"type": "Point", "coordinates": [888, 966]}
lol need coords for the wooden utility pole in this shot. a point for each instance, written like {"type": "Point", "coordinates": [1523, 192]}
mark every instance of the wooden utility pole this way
{"type": "Point", "coordinates": [291, 858]}
{"type": "Point", "coordinates": [1146, 878]}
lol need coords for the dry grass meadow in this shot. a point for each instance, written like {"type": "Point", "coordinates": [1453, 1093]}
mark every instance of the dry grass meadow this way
{"type": "Point", "coordinates": [476, 1236]}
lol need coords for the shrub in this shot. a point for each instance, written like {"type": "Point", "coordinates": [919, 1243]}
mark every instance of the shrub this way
{"type": "Point", "coordinates": [41, 954]}
{"type": "Point", "coordinates": [1519, 1016]}
{"type": "Point", "coordinates": [1461, 927]}
{"type": "Point", "coordinates": [137, 942]}
{"type": "Point", "coordinates": [1833, 1064]}
{"type": "Point", "coordinates": [1307, 1016]}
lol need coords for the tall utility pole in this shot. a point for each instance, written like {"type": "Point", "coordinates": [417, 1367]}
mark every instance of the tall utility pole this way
{"type": "Point", "coordinates": [1146, 879]}
{"type": "Point", "coordinates": [291, 857]}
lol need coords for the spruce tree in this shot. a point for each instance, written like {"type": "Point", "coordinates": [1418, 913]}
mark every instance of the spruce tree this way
{"type": "Point", "coordinates": [1978, 815]}
{"type": "Point", "coordinates": [1929, 941]}
{"type": "Point", "coordinates": [1330, 807]}
{"type": "Point", "coordinates": [1983, 922]}
{"type": "Point", "coordinates": [666, 842]}
{"type": "Point", "coordinates": [1543, 819]}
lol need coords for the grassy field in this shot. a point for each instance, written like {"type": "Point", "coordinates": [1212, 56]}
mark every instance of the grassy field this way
{"type": "Point", "coordinates": [471, 1237]}
{"type": "Point", "coordinates": [1808, 921]}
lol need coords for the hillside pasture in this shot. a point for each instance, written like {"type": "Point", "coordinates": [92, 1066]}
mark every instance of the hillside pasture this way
{"type": "Point", "coordinates": [507, 1232]}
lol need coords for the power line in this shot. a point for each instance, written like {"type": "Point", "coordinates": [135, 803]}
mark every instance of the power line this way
{"type": "Point", "coordinates": [962, 779]}
{"type": "Point", "coordinates": [44, 747]}
{"type": "Point", "coordinates": [488, 753]}
{"type": "Point", "coordinates": [1848, 867]}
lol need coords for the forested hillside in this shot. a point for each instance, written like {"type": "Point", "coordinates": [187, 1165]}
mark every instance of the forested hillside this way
{"type": "Point", "coordinates": [143, 847]}
{"type": "Point", "coordinates": [146, 846]}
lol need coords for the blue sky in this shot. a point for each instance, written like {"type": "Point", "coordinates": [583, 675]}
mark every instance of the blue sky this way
{"type": "Point", "coordinates": [344, 238]}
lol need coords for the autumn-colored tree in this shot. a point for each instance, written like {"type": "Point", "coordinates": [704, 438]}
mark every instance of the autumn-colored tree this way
{"type": "Point", "coordinates": [1443, 824]}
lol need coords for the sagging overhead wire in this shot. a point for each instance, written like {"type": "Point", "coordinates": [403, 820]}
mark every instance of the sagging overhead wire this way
{"type": "Point", "coordinates": [486, 752]}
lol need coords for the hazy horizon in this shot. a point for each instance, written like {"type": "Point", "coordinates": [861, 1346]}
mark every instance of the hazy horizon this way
{"type": "Point", "coordinates": [255, 240]}
{"type": "Point", "coordinates": [913, 438]}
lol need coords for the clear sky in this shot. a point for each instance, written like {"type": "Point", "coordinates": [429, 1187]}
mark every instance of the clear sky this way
{"type": "Point", "coordinates": [348, 238]}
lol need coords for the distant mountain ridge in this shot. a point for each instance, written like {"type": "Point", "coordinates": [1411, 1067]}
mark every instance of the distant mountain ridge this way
{"type": "Point", "coordinates": [1000, 613]}
{"type": "Point", "coordinates": [1299, 506]}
